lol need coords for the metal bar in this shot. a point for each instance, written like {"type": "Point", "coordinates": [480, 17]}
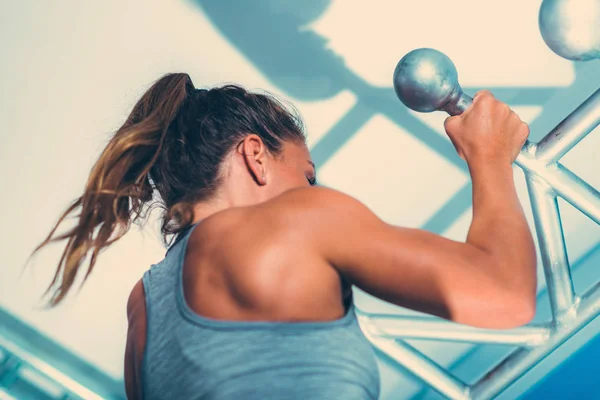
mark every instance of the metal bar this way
{"type": "Point", "coordinates": [522, 360]}
{"type": "Point", "coordinates": [526, 158]}
{"type": "Point", "coordinates": [574, 190]}
{"type": "Point", "coordinates": [571, 130]}
{"type": "Point", "coordinates": [417, 363]}
{"type": "Point", "coordinates": [552, 248]}
{"type": "Point", "coordinates": [48, 370]}
{"type": "Point", "coordinates": [546, 180]}
{"type": "Point", "coordinates": [5, 395]}
{"type": "Point", "coordinates": [9, 370]}
{"type": "Point", "coordinates": [564, 182]}
{"type": "Point", "coordinates": [424, 328]}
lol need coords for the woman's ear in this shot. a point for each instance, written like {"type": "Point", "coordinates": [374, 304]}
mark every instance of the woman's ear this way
{"type": "Point", "coordinates": [255, 155]}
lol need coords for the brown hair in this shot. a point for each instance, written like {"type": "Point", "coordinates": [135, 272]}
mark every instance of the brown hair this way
{"type": "Point", "coordinates": [171, 145]}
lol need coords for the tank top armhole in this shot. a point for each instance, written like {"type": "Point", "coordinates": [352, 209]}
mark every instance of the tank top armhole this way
{"type": "Point", "coordinates": [144, 369]}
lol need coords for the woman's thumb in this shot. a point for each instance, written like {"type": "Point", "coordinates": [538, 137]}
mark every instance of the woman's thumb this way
{"type": "Point", "coordinates": [451, 123]}
{"type": "Point", "coordinates": [451, 126]}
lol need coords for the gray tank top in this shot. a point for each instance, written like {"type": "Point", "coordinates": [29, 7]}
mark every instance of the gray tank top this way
{"type": "Point", "coordinates": [188, 356]}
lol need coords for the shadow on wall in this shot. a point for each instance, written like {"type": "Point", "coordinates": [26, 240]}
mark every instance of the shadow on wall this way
{"type": "Point", "coordinates": [272, 35]}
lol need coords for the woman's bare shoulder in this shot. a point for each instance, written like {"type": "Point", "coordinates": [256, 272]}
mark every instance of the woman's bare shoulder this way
{"type": "Point", "coordinates": [268, 259]}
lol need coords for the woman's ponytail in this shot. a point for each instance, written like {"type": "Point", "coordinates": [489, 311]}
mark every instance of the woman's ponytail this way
{"type": "Point", "coordinates": [118, 187]}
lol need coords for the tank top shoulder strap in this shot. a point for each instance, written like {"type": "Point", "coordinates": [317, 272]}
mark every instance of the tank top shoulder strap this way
{"type": "Point", "coordinates": [183, 235]}
{"type": "Point", "coordinates": [161, 287]}
{"type": "Point", "coordinates": [161, 280]}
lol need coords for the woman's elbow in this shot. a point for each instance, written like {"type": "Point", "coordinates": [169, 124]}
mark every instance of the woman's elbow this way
{"type": "Point", "coordinates": [497, 312]}
{"type": "Point", "coordinates": [520, 313]}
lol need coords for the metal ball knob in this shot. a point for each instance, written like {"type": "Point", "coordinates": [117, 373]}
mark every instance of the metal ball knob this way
{"type": "Point", "coordinates": [571, 28]}
{"type": "Point", "coordinates": [426, 80]}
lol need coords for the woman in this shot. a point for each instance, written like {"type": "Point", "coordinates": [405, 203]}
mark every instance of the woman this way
{"type": "Point", "coordinates": [254, 300]}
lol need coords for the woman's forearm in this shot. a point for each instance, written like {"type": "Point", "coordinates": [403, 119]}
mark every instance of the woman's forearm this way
{"type": "Point", "coordinates": [500, 228]}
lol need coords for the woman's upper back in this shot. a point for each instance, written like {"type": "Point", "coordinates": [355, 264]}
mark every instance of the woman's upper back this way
{"type": "Point", "coordinates": [279, 260]}
{"type": "Point", "coordinates": [240, 308]}
{"type": "Point", "coordinates": [247, 264]}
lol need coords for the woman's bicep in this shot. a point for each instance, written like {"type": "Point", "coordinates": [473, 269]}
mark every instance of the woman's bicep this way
{"type": "Point", "coordinates": [415, 268]}
{"type": "Point", "coordinates": [407, 267]}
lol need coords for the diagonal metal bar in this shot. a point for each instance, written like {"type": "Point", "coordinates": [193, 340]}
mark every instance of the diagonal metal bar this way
{"type": "Point", "coordinates": [574, 190]}
{"type": "Point", "coordinates": [552, 248]}
{"type": "Point", "coordinates": [564, 183]}
{"type": "Point", "coordinates": [5, 395]}
{"type": "Point", "coordinates": [546, 179]}
{"type": "Point", "coordinates": [417, 363]}
{"type": "Point", "coordinates": [48, 370]}
{"type": "Point", "coordinates": [522, 360]}
{"type": "Point", "coordinates": [9, 370]}
{"type": "Point", "coordinates": [578, 124]}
